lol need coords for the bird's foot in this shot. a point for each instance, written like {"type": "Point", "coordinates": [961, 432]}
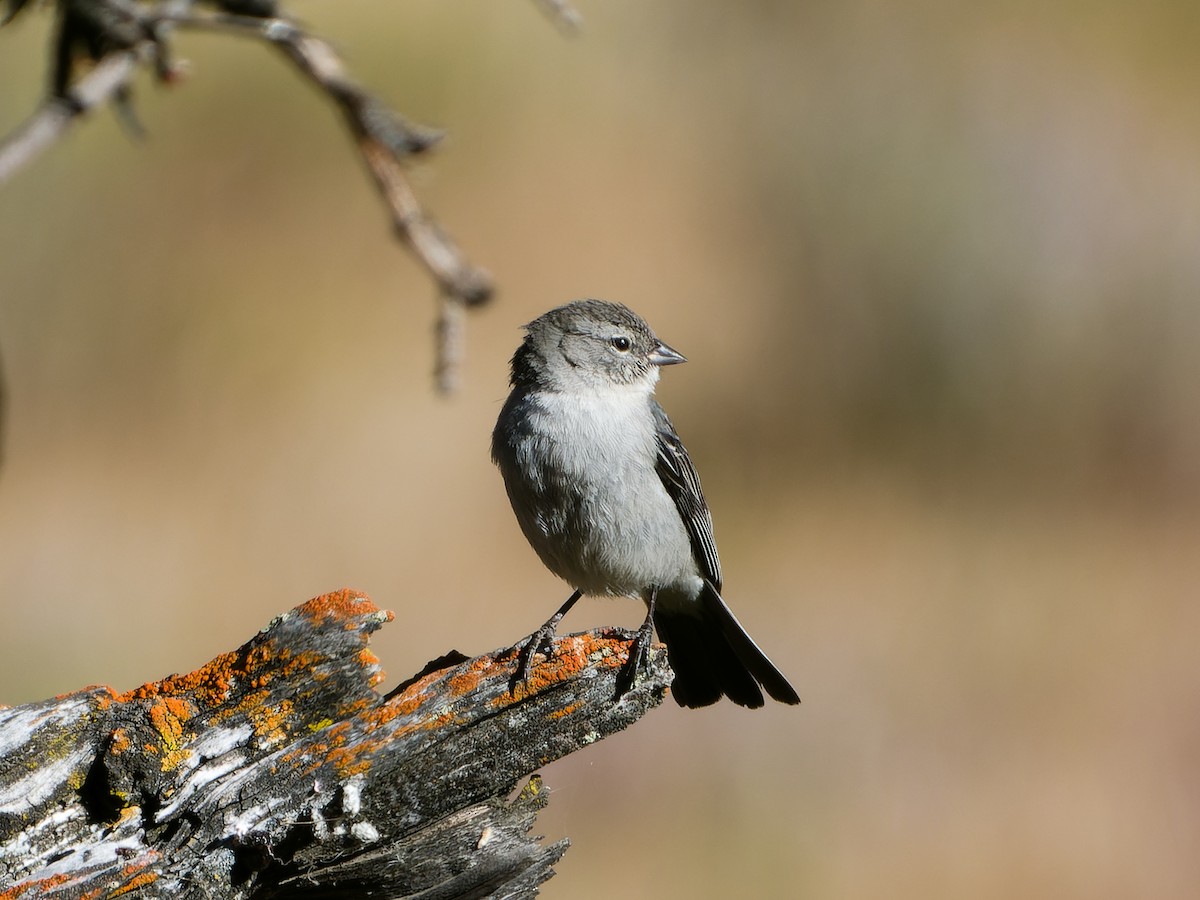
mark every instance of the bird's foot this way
{"type": "Point", "coordinates": [541, 641]}
{"type": "Point", "coordinates": [638, 663]}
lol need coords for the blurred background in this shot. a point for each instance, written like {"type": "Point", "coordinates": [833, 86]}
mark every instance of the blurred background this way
{"type": "Point", "coordinates": [935, 267]}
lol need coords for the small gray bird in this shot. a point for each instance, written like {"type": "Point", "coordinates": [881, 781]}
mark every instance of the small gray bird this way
{"type": "Point", "coordinates": [608, 497]}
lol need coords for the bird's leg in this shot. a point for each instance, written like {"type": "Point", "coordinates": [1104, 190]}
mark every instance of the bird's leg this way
{"type": "Point", "coordinates": [543, 639]}
{"type": "Point", "coordinates": [639, 653]}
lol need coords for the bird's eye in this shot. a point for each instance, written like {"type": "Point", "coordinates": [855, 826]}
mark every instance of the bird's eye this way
{"type": "Point", "coordinates": [621, 343]}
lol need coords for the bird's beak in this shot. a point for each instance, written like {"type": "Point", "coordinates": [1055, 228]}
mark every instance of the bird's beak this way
{"type": "Point", "coordinates": [662, 355]}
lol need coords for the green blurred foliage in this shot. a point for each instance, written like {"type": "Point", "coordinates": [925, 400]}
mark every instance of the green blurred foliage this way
{"type": "Point", "coordinates": [935, 268]}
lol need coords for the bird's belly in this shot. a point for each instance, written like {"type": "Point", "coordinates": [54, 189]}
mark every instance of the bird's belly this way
{"type": "Point", "coordinates": [602, 521]}
{"type": "Point", "coordinates": [615, 542]}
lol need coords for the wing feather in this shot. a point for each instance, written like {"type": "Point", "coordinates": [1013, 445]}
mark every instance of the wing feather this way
{"type": "Point", "coordinates": [679, 477]}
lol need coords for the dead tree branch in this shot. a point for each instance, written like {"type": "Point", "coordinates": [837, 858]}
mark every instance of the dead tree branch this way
{"type": "Point", "coordinates": [56, 114]}
{"type": "Point", "coordinates": [119, 37]}
{"type": "Point", "coordinates": [277, 769]}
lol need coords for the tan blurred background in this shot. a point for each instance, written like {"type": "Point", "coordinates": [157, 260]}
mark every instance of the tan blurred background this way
{"type": "Point", "coordinates": [936, 269]}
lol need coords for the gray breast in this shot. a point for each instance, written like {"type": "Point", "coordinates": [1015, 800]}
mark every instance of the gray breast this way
{"type": "Point", "coordinates": [581, 477]}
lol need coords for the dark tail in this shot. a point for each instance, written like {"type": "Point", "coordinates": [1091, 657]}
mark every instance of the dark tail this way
{"type": "Point", "coordinates": [713, 656]}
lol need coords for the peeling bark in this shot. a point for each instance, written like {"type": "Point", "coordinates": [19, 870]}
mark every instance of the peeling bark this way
{"type": "Point", "coordinates": [278, 770]}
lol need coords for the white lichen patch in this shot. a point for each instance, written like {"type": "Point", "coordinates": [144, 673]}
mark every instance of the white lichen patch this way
{"type": "Point", "coordinates": [365, 832]}
{"type": "Point", "coordinates": [515, 720]}
{"type": "Point", "coordinates": [19, 723]}
{"type": "Point", "coordinates": [352, 796]}
{"type": "Point", "coordinates": [92, 854]}
{"type": "Point", "coordinates": [212, 759]}
{"type": "Point", "coordinates": [257, 818]}
{"type": "Point", "coordinates": [320, 824]}
{"type": "Point", "coordinates": [216, 742]}
{"type": "Point", "coordinates": [23, 794]}
{"type": "Point", "coordinates": [41, 838]}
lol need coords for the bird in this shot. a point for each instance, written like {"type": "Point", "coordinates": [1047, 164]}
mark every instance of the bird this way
{"type": "Point", "coordinates": [606, 494]}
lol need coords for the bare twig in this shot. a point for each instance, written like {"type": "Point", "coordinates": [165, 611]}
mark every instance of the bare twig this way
{"type": "Point", "coordinates": [451, 333]}
{"type": "Point", "coordinates": [384, 138]}
{"type": "Point", "coordinates": [56, 114]}
{"type": "Point", "coordinates": [456, 276]}
{"type": "Point", "coordinates": [563, 14]}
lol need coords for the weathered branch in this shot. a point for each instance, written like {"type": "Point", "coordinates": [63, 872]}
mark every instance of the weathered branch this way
{"type": "Point", "coordinates": [56, 114]}
{"type": "Point", "coordinates": [278, 770]}
{"type": "Point", "coordinates": [384, 139]}
{"type": "Point", "coordinates": [120, 35]}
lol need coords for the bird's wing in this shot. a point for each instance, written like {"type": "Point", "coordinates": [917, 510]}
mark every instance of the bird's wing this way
{"type": "Point", "coordinates": [679, 477]}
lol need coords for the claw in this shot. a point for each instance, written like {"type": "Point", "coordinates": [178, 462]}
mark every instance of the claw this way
{"type": "Point", "coordinates": [639, 653]}
{"type": "Point", "coordinates": [541, 641]}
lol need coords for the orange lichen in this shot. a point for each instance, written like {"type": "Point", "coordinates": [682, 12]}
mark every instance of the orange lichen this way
{"type": "Point", "coordinates": [137, 879]}
{"type": "Point", "coordinates": [427, 722]}
{"type": "Point", "coordinates": [347, 759]}
{"type": "Point", "coordinates": [354, 707]}
{"type": "Point", "coordinates": [467, 680]}
{"type": "Point", "coordinates": [119, 742]}
{"type": "Point", "coordinates": [209, 685]}
{"type": "Point", "coordinates": [410, 706]}
{"type": "Point", "coordinates": [351, 761]}
{"type": "Point", "coordinates": [271, 722]}
{"type": "Point", "coordinates": [255, 668]}
{"type": "Point", "coordinates": [330, 748]}
{"type": "Point", "coordinates": [350, 758]}
{"type": "Point", "coordinates": [414, 696]}
{"type": "Point", "coordinates": [167, 716]}
{"type": "Point", "coordinates": [565, 711]}
{"type": "Point", "coordinates": [376, 718]}
{"type": "Point", "coordinates": [294, 664]}
{"type": "Point", "coordinates": [97, 693]}
{"type": "Point", "coordinates": [39, 886]}
{"type": "Point", "coordinates": [333, 736]}
{"type": "Point", "coordinates": [407, 703]}
{"type": "Point", "coordinates": [179, 707]}
{"type": "Point", "coordinates": [346, 604]}
{"type": "Point", "coordinates": [136, 874]}
{"type": "Point", "coordinates": [369, 661]}
{"type": "Point", "coordinates": [571, 656]}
